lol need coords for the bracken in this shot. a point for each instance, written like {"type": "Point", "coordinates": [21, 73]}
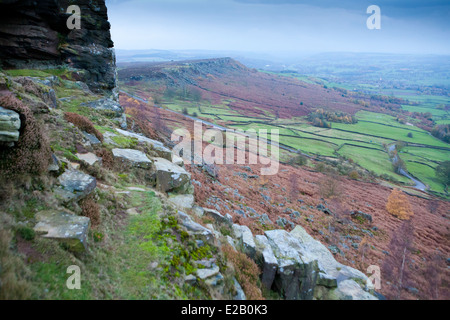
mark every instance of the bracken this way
{"type": "Point", "coordinates": [83, 123]}
{"type": "Point", "coordinates": [31, 154]}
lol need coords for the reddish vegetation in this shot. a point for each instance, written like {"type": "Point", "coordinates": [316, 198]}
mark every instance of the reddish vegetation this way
{"type": "Point", "coordinates": [91, 209]}
{"type": "Point", "coordinates": [293, 183]}
{"type": "Point", "coordinates": [83, 123]}
{"type": "Point", "coordinates": [31, 154]}
{"type": "Point", "coordinates": [250, 92]}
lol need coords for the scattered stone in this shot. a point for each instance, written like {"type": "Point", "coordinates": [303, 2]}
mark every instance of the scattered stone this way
{"type": "Point", "coordinates": [89, 158]}
{"type": "Point", "coordinates": [182, 201]}
{"type": "Point", "coordinates": [134, 157]}
{"type": "Point", "coordinates": [105, 104]}
{"type": "Point", "coordinates": [67, 228]}
{"type": "Point", "coordinates": [265, 219]}
{"type": "Point", "coordinates": [75, 185]}
{"type": "Point", "coordinates": [218, 218]}
{"type": "Point", "coordinates": [204, 263]}
{"type": "Point", "coordinates": [281, 222]}
{"type": "Point", "coordinates": [194, 227]}
{"type": "Point", "coordinates": [204, 274]}
{"type": "Point", "coordinates": [360, 214]}
{"type": "Point", "coordinates": [190, 279]}
{"type": "Point", "coordinates": [240, 212]}
{"type": "Point", "coordinates": [91, 138]}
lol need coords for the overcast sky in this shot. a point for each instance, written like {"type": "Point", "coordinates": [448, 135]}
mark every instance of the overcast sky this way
{"type": "Point", "coordinates": [297, 26]}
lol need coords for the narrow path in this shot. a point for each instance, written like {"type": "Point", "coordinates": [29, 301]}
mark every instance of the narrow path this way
{"type": "Point", "coordinates": [418, 184]}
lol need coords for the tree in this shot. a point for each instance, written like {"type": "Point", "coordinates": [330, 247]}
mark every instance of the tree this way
{"type": "Point", "coordinates": [293, 190]}
{"type": "Point", "coordinates": [434, 275]}
{"type": "Point", "coordinates": [398, 164]}
{"type": "Point", "coordinates": [299, 159]}
{"type": "Point", "coordinates": [409, 135]}
{"type": "Point", "coordinates": [330, 186]}
{"type": "Point", "coordinates": [185, 111]}
{"type": "Point", "coordinates": [443, 172]}
{"type": "Point", "coordinates": [395, 266]}
{"type": "Point", "coordinates": [398, 205]}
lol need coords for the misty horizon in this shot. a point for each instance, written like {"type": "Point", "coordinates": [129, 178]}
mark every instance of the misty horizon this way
{"type": "Point", "coordinates": [279, 28]}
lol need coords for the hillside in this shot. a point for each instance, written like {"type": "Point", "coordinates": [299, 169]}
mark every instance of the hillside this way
{"type": "Point", "coordinates": [251, 92]}
{"type": "Point", "coordinates": [85, 190]}
{"type": "Point", "coordinates": [296, 196]}
{"type": "Point", "coordinates": [90, 184]}
{"type": "Point", "coordinates": [321, 122]}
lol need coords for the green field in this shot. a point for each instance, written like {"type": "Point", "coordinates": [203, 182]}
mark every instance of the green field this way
{"type": "Point", "coordinates": [364, 142]}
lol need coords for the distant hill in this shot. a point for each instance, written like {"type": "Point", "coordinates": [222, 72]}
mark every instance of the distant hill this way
{"type": "Point", "coordinates": [249, 89]}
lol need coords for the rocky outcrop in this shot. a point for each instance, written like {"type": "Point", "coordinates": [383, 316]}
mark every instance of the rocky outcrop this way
{"type": "Point", "coordinates": [9, 125]}
{"type": "Point", "coordinates": [35, 33]}
{"type": "Point", "coordinates": [105, 105]}
{"type": "Point", "coordinates": [170, 177]}
{"type": "Point", "coordinates": [67, 228]}
{"type": "Point", "coordinates": [267, 260]}
{"type": "Point", "coordinates": [195, 228]}
{"type": "Point", "coordinates": [156, 146]}
{"type": "Point", "coordinates": [245, 239]}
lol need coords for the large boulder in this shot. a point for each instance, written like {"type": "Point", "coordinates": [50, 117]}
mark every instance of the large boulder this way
{"type": "Point", "coordinates": [67, 228]}
{"type": "Point", "coordinates": [170, 177]}
{"type": "Point", "coordinates": [9, 125]}
{"type": "Point", "coordinates": [297, 273]}
{"type": "Point", "coordinates": [266, 260]}
{"type": "Point", "coordinates": [75, 185]}
{"type": "Point", "coordinates": [105, 105]}
{"type": "Point", "coordinates": [134, 157]}
{"type": "Point", "coordinates": [333, 273]}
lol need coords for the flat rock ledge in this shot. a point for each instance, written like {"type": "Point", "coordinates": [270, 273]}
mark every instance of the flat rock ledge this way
{"type": "Point", "coordinates": [64, 227]}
